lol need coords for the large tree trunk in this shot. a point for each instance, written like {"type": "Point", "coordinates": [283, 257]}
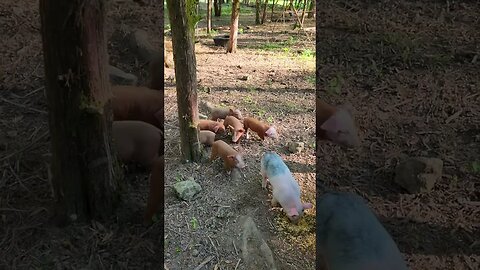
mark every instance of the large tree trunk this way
{"type": "Point", "coordinates": [186, 77]}
{"type": "Point", "coordinates": [311, 12]}
{"type": "Point", "coordinates": [209, 16]}
{"type": "Point", "coordinates": [265, 4]}
{"type": "Point", "coordinates": [257, 11]}
{"type": "Point", "coordinates": [85, 173]}
{"type": "Point", "coordinates": [232, 42]}
{"type": "Point", "coordinates": [217, 5]}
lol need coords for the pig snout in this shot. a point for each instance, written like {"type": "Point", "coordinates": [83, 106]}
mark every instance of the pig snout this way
{"type": "Point", "coordinates": [239, 162]}
{"type": "Point", "coordinates": [237, 135]}
{"type": "Point", "coordinates": [271, 132]}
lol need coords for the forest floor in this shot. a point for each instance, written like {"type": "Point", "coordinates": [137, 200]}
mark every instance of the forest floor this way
{"type": "Point", "coordinates": [29, 240]}
{"type": "Point", "coordinates": [411, 71]}
{"type": "Point", "coordinates": [272, 78]}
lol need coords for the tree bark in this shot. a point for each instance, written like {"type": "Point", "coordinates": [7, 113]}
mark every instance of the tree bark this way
{"type": "Point", "coordinates": [209, 16]}
{"type": "Point", "coordinates": [186, 77]}
{"type": "Point", "coordinates": [311, 12]}
{"type": "Point", "coordinates": [232, 42]}
{"type": "Point", "coordinates": [217, 5]}
{"type": "Point", "coordinates": [265, 4]}
{"type": "Point", "coordinates": [257, 11]}
{"type": "Point", "coordinates": [85, 171]}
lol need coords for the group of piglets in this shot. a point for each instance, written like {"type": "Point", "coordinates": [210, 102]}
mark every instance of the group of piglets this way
{"type": "Point", "coordinates": [138, 137]}
{"type": "Point", "coordinates": [286, 190]}
{"type": "Point", "coordinates": [349, 235]}
{"type": "Point", "coordinates": [230, 120]}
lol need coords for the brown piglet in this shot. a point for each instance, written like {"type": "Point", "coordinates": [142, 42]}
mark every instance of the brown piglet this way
{"type": "Point", "coordinates": [155, 196]}
{"type": "Point", "coordinates": [206, 137]}
{"type": "Point", "coordinates": [138, 103]}
{"type": "Point", "coordinates": [214, 126]}
{"type": "Point", "coordinates": [336, 124]}
{"type": "Point", "coordinates": [263, 130]}
{"type": "Point", "coordinates": [231, 158]}
{"type": "Point", "coordinates": [137, 141]}
{"type": "Point", "coordinates": [235, 126]}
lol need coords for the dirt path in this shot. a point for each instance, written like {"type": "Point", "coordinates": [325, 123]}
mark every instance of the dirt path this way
{"type": "Point", "coordinates": [408, 68]}
{"type": "Point", "coordinates": [279, 89]}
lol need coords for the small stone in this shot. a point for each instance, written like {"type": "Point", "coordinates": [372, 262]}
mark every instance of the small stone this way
{"type": "Point", "coordinates": [296, 147]}
{"type": "Point", "coordinates": [418, 174]}
{"type": "Point", "coordinates": [244, 78]}
{"type": "Point", "coordinates": [202, 116]}
{"type": "Point", "coordinates": [186, 190]}
{"type": "Point", "coordinates": [195, 253]}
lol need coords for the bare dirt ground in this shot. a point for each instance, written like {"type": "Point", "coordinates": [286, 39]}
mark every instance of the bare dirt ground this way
{"type": "Point", "coordinates": [280, 89]}
{"type": "Point", "coordinates": [411, 70]}
{"type": "Point", "coordinates": [27, 239]}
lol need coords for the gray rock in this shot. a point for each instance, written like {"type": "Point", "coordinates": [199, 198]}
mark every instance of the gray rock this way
{"type": "Point", "coordinates": [296, 147]}
{"type": "Point", "coordinates": [255, 252]}
{"type": "Point", "coordinates": [118, 76]}
{"type": "Point", "coordinates": [418, 174]}
{"type": "Point", "coordinates": [186, 190]}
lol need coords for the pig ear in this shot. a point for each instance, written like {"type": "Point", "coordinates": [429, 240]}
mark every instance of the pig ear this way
{"type": "Point", "coordinates": [332, 124]}
{"type": "Point", "coordinates": [231, 110]}
{"type": "Point", "coordinates": [307, 205]}
{"type": "Point", "coordinates": [216, 128]}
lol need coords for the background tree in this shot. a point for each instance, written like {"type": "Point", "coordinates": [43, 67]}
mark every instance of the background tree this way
{"type": "Point", "coordinates": [257, 11]}
{"type": "Point", "coordinates": [264, 14]}
{"type": "Point", "coordinates": [183, 18]}
{"type": "Point", "coordinates": [217, 6]}
{"type": "Point", "coordinates": [209, 16]}
{"type": "Point", "coordinates": [232, 42]}
{"type": "Point", "coordinates": [85, 173]}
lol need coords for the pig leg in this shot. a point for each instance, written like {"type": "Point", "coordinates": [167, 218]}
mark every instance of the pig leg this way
{"type": "Point", "coordinates": [264, 179]}
{"type": "Point", "coordinates": [274, 202]}
{"type": "Point", "coordinates": [213, 156]}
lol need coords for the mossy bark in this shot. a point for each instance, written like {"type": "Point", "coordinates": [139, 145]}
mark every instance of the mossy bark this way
{"type": "Point", "coordinates": [85, 171]}
{"type": "Point", "coordinates": [186, 76]}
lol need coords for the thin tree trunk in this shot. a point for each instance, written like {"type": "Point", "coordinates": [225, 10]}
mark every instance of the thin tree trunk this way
{"type": "Point", "coordinates": [217, 6]}
{"type": "Point", "coordinates": [304, 12]}
{"type": "Point", "coordinates": [265, 4]}
{"type": "Point", "coordinates": [273, 9]}
{"type": "Point", "coordinates": [311, 12]}
{"type": "Point", "coordinates": [232, 42]}
{"type": "Point", "coordinates": [257, 11]}
{"type": "Point", "coordinates": [209, 16]}
{"type": "Point", "coordinates": [186, 78]}
{"type": "Point", "coordinates": [85, 173]}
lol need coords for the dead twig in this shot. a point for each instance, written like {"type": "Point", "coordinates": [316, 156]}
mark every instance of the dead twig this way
{"type": "Point", "coordinates": [202, 264]}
